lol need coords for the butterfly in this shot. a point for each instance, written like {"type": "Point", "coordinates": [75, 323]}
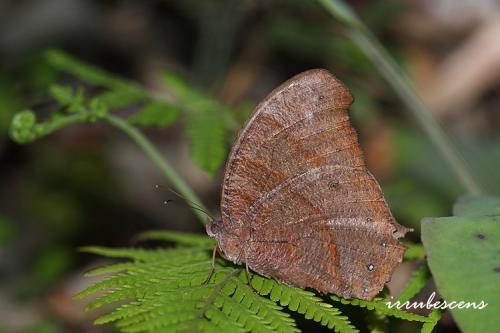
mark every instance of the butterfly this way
{"type": "Point", "coordinates": [298, 203]}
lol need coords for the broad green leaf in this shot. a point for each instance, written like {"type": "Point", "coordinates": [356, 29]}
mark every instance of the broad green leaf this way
{"type": "Point", "coordinates": [477, 206]}
{"type": "Point", "coordinates": [463, 253]}
{"type": "Point", "coordinates": [157, 113]}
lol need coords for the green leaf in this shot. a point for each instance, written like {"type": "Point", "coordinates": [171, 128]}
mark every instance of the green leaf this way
{"type": "Point", "coordinates": [434, 317]}
{"type": "Point", "coordinates": [380, 305]}
{"type": "Point", "coordinates": [206, 132]}
{"type": "Point", "coordinates": [167, 290]}
{"type": "Point", "coordinates": [305, 303]}
{"type": "Point", "coordinates": [477, 206]}
{"type": "Point", "coordinates": [463, 255]}
{"type": "Point", "coordinates": [205, 123]}
{"type": "Point", "coordinates": [414, 251]}
{"type": "Point", "coordinates": [62, 94]}
{"type": "Point", "coordinates": [158, 113]}
{"type": "Point", "coordinates": [116, 99]}
{"type": "Point", "coordinates": [66, 97]}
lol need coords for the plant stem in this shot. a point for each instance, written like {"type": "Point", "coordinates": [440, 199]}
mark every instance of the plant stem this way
{"type": "Point", "coordinates": [403, 87]}
{"type": "Point", "coordinates": [61, 122]}
{"type": "Point", "coordinates": [161, 162]}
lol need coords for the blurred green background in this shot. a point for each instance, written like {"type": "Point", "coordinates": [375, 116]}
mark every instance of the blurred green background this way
{"type": "Point", "coordinates": [92, 185]}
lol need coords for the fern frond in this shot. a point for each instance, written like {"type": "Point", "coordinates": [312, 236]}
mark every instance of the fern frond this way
{"type": "Point", "coordinates": [414, 251]}
{"type": "Point", "coordinates": [166, 290]}
{"type": "Point", "coordinates": [206, 121]}
{"type": "Point", "coordinates": [380, 305]}
{"type": "Point", "coordinates": [117, 99]}
{"type": "Point", "coordinates": [113, 268]}
{"type": "Point", "coordinates": [434, 317]}
{"type": "Point", "coordinates": [264, 308]}
{"type": "Point", "coordinates": [206, 131]}
{"type": "Point", "coordinates": [304, 302]}
{"type": "Point", "coordinates": [156, 113]}
{"type": "Point", "coordinates": [417, 281]}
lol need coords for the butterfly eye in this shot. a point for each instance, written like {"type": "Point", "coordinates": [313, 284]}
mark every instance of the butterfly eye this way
{"type": "Point", "coordinates": [214, 229]}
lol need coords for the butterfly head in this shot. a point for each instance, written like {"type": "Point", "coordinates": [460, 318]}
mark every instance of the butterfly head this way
{"type": "Point", "coordinates": [229, 244]}
{"type": "Point", "coordinates": [215, 229]}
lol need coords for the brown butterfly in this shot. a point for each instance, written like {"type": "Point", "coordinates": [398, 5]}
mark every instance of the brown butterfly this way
{"type": "Point", "coordinates": [298, 203]}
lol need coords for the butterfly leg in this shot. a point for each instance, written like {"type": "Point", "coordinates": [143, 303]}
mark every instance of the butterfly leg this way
{"type": "Point", "coordinates": [212, 269]}
{"type": "Point", "coordinates": [249, 278]}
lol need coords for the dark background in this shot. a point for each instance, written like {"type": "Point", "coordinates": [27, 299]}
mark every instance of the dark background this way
{"type": "Point", "coordinates": [91, 185]}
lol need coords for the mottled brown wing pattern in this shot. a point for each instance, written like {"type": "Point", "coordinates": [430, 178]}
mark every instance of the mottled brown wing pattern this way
{"type": "Point", "coordinates": [298, 203]}
{"type": "Point", "coordinates": [259, 160]}
{"type": "Point", "coordinates": [343, 246]}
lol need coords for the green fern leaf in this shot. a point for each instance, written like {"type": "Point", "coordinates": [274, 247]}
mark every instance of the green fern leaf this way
{"type": "Point", "coordinates": [113, 268]}
{"type": "Point", "coordinates": [62, 94]}
{"type": "Point", "coordinates": [304, 302]}
{"type": "Point", "coordinates": [157, 113]}
{"type": "Point", "coordinates": [205, 124]}
{"type": "Point", "coordinates": [115, 99]}
{"type": "Point", "coordinates": [414, 252]}
{"type": "Point", "coordinates": [166, 290]}
{"type": "Point", "coordinates": [264, 308]}
{"type": "Point", "coordinates": [434, 317]}
{"type": "Point", "coordinates": [380, 306]}
{"type": "Point", "coordinates": [205, 118]}
{"type": "Point", "coordinates": [206, 131]}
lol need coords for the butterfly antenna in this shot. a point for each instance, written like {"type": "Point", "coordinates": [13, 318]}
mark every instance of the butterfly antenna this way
{"type": "Point", "coordinates": [190, 203]}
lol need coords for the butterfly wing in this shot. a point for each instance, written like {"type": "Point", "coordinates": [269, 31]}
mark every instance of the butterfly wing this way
{"type": "Point", "coordinates": [335, 239]}
{"type": "Point", "coordinates": [297, 169]}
